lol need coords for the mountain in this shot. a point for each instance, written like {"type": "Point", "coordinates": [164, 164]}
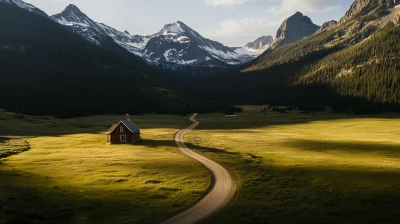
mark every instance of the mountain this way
{"type": "Point", "coordinates": [133, 43]}
{"type": "Point", "coordinates": [364, 7]}
{"type": "Point", "coordinates": [48, 70]}
{"type": "Point", "coordinates": [351, 65]}
{"type": "Point", "coordinates": [260, 44]}
{"type": "Point", "coordinates": [331, 36]}
{"type": "Point", "coordinates": [97, 33]}
{"type": "Point", "coordinates": [175, 45]}
{"type": "Point", "coordinates": [327, 25]}
{"type": "Point", "coordinates": [25, 6]}
{"type": "Point", "coordinates": [294, 29]}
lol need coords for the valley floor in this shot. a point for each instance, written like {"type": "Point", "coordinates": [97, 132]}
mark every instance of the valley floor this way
{"type": "Point", "coordinates": [290, 168]}
{"type": "Point", "coordinates": [300, 168]}
{"type": "Point", "coordinates": [68, 174]}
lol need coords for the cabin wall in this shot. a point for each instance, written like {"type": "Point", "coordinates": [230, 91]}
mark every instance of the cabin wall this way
{"type": "Point", "coordinates": [115, 136]}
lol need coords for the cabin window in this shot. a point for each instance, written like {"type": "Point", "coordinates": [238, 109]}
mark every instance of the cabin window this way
{"type": "Point", "coordinates": [121, 129]}
{"type": "Point", "coordinates": [123, 138]}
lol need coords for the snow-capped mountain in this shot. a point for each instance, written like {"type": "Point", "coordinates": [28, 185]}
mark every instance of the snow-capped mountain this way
{"type": "Point", "coordinates": [133, 43]}
{"type": "Point", "coordinates": [178, 43]}
{"type": "Point", "coordinates": [24, 5]}
{"type": "Point", "coordinates": [174, 44]}
{"type": "Point", "coordinates": [260, 45]}
{"type": "Point", "coordinates": [98, 33]}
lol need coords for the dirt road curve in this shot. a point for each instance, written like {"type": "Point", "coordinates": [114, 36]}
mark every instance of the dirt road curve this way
{"type": "Point", "coordinates": [221, 193]}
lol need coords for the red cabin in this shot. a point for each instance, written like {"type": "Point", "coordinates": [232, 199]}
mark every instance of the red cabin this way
{"type": "Point", "coordinates": [125, 132]}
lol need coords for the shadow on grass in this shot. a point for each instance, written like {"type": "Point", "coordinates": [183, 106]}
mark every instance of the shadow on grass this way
{"type": "Point", "coordinates": [93, 125]}
{"type": "Point", "coordinates": [323, 146]}
{"type": "Point", "coordinates": [3, 139]}
{"type": "Point", "coordinates": [21, 203]}
{"type": "Point", "coordinates": [38, 126]}
{"type": "Point", "coordinates": [12, 145]}
{"type": "Point", "coordinates": [270, 194]}
{"type": "Point", "coordinates": [31, 198]}
{"type": "Point", "coordinates": [163, 143]}
{"type": "Point", "coordinates": [212, 150]}
{"type": "Point", "coordinates": [259, 120]}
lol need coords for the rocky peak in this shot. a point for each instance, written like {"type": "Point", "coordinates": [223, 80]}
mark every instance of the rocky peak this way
{"type": "Point", "coordinates": [173, 29]}
{"type": "Point", "coordinates": [294, 29]}
{"type": "Point", "coordinates": [181, 32]}
{"type": "Point", "coordinates": [80, 23]}
{"type": "Point", "coordinates": [259, 43]}
{"type": "Point", "coordinates": [364, 7]}
{"type": "Point", "coordinates": [327, 25]}
{"type": "Point", "coordinates": [72, 9]}
{"type": "Point", "coordinates": [73, 16]}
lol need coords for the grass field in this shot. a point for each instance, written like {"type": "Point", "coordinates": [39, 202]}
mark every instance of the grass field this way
{"type": "Point", "coordinates": [300, 168]}
{"type": "Point", "coordinates": [70, 175]}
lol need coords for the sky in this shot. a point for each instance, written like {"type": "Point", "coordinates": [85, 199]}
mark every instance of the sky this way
{"type": "Point", "coordinates": [231, 22]}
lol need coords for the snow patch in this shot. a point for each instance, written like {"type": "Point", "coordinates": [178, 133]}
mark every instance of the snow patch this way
{"type": "Point", "coordinates": [174, 29]}
{"type": "Point", "coordinates": [183, 39]}
{"type": "Point", "coordinates": [246, 51]}
{"type": "Point", "coordinates": [167, 54]}
{"type": "Point", "coordinates": [64, 22]}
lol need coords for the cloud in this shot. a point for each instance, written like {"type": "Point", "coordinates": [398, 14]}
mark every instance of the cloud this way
{"type": "Point", "coordinates": [228, 2]}
{"type": "Point", "coordinates": [305, 6]}
{"type": "Point", "coordinates": [231, 32]}
{"type": "Point", "coordinates": [234, 32]}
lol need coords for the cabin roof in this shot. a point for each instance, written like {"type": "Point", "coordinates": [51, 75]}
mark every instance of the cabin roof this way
{"type": "Point", "coordinates": [131, 126]}
{"type": "Point", "coordinates": [127, 123]}
{"type": "Point", "coordinates": [112, 129]}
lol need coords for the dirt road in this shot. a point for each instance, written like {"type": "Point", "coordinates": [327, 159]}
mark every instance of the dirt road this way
{"type": "Point", "coordinates": [221, 193]}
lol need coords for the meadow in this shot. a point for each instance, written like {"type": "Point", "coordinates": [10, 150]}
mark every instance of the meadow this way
{"type": "Point", "coordinates": [62, 171]}
{"type": "Point", "coordinates": [290, 168]}
{"type": "Point", "coordinates": [304, 168]}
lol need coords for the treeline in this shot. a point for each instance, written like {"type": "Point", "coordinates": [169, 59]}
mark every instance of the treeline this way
{"type": "Point", "coordinates": [323, 70]}
{"type": "Point", "coordinates": [318, 44]}
{"type": "Point", "coordinates": [370, 70]}
{"type": "Point", "coordinates": [47, 70]}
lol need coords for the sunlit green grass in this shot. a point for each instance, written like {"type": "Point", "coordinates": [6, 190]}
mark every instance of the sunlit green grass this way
{"type": "Point", "coordinates": [300, 168]}
{"type": "Point", "coordinates": [70, 174]}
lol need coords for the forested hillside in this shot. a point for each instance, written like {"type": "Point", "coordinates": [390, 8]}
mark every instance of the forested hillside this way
{"type": "Point", "coordinates": [352, 66]}
{"type": "Point", "coordinates": [46, 69]}
{"type": "Point", "coordinates": [369, 70]}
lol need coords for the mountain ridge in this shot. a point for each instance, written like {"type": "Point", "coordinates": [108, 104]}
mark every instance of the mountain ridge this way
{"type": "Point", "coordinates": [260, 45]}
{"type": "Point", "coordinates": [175, 45]}
{"type": "Point", "coordinates": [24, 5]}
{"type": "Point", "coordinates": [48, 70]}
{"type": "Point", "coordinates": [363, 7]}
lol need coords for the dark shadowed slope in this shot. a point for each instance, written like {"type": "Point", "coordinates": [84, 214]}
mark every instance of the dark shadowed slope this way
{"type": "Point", "coordinates": [46, 69]}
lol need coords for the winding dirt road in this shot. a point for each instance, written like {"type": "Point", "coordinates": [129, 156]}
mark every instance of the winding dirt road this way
{"type": "Point", "coordinates": [221, 193]}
